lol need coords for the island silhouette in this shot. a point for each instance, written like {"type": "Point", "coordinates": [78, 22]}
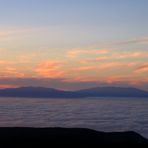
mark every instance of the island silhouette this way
{"type": "Point", "coordinates": [41, 92]}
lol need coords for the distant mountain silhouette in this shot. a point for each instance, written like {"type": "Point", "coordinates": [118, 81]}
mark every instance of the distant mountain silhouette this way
{"type": "Point", "coordinates": [41, 92]}
{"type": "Point", "coordinates": [114, 92]}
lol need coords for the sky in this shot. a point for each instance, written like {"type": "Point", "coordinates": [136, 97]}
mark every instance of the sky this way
{"type": "Point", "coordinates": [74, 44]}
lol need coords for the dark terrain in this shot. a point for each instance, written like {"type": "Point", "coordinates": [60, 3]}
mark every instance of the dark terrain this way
{"type": "Point", "coordinates": [46, 137]}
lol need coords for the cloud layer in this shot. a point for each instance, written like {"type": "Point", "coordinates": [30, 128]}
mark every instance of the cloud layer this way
{"type": "Point", "coordinates": [76, 67]}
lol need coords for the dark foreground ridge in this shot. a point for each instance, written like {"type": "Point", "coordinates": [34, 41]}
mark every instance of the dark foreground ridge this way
{"type": "Point", "coordinates": [46, 137]}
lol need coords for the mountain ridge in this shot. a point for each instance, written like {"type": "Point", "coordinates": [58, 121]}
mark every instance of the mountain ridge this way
{"type": "Point", "coordinates": [44, 92]}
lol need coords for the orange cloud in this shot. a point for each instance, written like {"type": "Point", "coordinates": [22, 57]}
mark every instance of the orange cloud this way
{"type": "Point", "coordinates": [113, 72]}
{"type": "Point", "coordinates": [50, 69]}
{"type": "Point", "coordinates": [3, 86]}
{"type": "Point", "coordinates": [101, 68]}
{"type": "Point", "coordinates": [142, 69]}
{"type": "Point", "coordinates": [4, 62]}
{"type": "Point", "coordinates": [11, 72]}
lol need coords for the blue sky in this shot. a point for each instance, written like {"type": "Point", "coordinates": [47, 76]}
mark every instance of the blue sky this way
{"type": "Point", "coordinates": [69, 12]}
{"type": "Point", "coordinates": [115, 16]}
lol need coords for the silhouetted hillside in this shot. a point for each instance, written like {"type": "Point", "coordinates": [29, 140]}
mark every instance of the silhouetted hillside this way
{"type": "Point", "coordinates": [40, 92]}
{"type": "Point", "coordinates": [114, 92]}
{"type": "Point", "coordinates": [50, 137]}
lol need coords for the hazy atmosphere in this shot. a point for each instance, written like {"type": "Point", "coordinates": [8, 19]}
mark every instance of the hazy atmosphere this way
{"type": "Point", "coordinates": [73, 44]}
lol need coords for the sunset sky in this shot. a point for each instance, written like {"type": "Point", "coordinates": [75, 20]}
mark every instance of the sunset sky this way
{"type": "Point", "coordinates": [74, 44]}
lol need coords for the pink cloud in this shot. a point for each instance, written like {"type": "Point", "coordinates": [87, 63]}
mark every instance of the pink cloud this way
{"type": "Point", "coordinates": [3, 86]}
{"type": "Point", "coordinates": [112, 56]}
{"type": "Point", "coordinates": [50, 69]}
